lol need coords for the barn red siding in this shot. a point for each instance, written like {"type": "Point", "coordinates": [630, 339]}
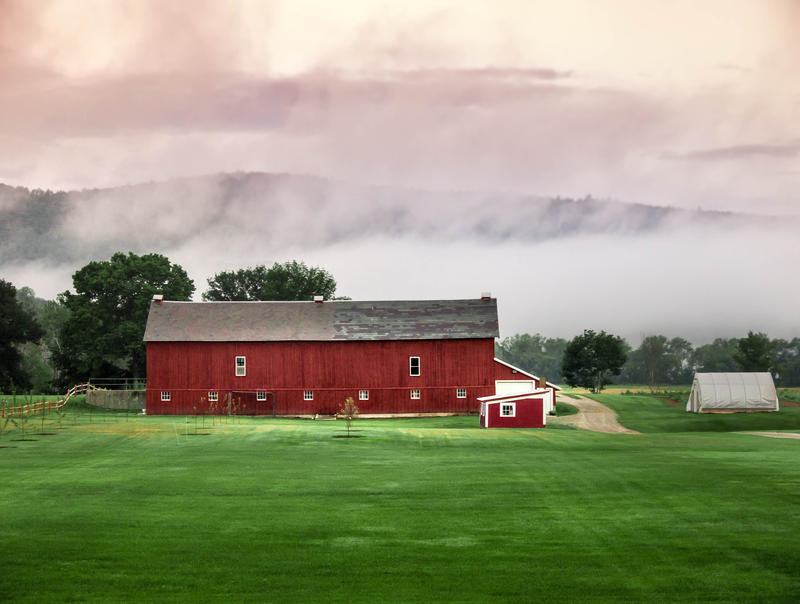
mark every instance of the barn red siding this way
{"type": "Point", "coordinates": [332, 370]}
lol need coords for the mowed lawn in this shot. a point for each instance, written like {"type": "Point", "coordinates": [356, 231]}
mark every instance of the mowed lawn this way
{"type": "Point", "coordinates": [133, 508]}
{"type": "Point", "coordinates": [650, 414]}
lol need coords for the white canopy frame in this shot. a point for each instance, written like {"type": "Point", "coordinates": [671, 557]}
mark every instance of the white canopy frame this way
{"type": "Point", "coordinates": [730, 392]}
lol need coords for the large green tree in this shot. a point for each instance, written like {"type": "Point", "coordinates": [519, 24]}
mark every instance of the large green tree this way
{"type": "Point", "coordinates": [659, 361]}
{"type": "Point", "coordinates": [591, 359]}
{"type": "Point", "coordinates": [102, 337]}
{"type": "Point", "coordinates": [754, 353]}
{"type": "Point", "coordinates": [38, 357]}
{"type": "Point", "coordinates": [17, 326]}
{"type": "Point", "coordinates": [682, 371]}
{"type": "Point", "coordinates": [787, 362]}
{"type": "Point", "coordinates": [716, 357]}
{"type": "Point", "coordinates": [288, 281]}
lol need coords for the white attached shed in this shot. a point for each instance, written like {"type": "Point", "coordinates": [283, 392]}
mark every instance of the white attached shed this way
{"type": "Point", "coordinates": [732, 392]}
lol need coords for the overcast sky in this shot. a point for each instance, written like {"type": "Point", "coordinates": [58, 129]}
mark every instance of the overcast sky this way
{"type": "Point", "coordinates": [668, 102]}
{"type": "Point", "coordinates": [688, 103]}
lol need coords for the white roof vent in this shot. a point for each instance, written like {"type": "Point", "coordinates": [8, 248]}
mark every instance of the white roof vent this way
{"type": "Point", "coordinates": [158, 298]}
{"type": "Point", "coordinates": [317, 299]}
{"type": "Point", "coordinates": [486, 296]}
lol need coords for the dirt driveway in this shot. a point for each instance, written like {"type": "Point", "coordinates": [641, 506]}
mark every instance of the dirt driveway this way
{"type": "Point", "coordinates": [592, 416]}
{"type": "Point", "coordinates": [776, 434]}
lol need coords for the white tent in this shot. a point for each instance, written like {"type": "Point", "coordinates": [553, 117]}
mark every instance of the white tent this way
{"type": "Point", "coordinates": [726, 392]}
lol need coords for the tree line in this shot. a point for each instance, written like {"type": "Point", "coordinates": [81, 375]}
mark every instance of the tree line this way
{"type": "Point", "coordinates": [96, 330]}
{"type": "Point", "coordinates": [658, 360]}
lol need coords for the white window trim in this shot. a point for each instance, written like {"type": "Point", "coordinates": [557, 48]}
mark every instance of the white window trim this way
{"type": "Point", "coordinates": [410, 367]}
{"type": "Point", "coordinates": [213, 395]}
{"type": "Point", "coordinates": [461, 393]}
{"type": "Point", "coordinates": [417, 392]}
{"type": "Point", "coordinates": [513, 410]}
{"type": "Point", "coordinates": [243, 366]}
{"type": "Point", "coordinates": [166, 396]}
{"type": "Point", "coordinates": [363, 395]}
{"type": "Point", "coordinates": [308, 395]}
{"type": "Point", "coordinates": [261, 395]}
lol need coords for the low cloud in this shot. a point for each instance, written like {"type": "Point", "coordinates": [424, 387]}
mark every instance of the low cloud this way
{"type": "Point", "coordinates": [557, 266]}
{"type": "Point", "coordinates": [738, 152]}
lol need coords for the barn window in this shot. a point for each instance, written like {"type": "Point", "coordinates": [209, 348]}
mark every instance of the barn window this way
{"type": "Point", "coordinates": [363, 395]}
{"type": "Point", "coordinates": [461, 393]}
{"type": "Point", "coordinates": [241, 366]}
{"type": "Point", "coordinates": [261, 395]}
{"type": "Point", "coordinates": [415, 394]}
{"type": "Point", "coordinates": [165, 396]}
{"type": "Point", "coordinates": [308, 395]}
{"type": "Point", "coordinates": [508, 410]}
{"type": "Point", "coordinates": [413, 365]}
{"type": "Point", "coordinates": [213, 395]}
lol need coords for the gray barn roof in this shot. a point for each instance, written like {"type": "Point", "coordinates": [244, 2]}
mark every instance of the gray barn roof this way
{"type": "Point", "coordinates": [339, 320]}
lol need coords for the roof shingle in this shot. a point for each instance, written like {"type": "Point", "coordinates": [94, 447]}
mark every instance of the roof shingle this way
{"type": "Point", "coordinates": [338, 320]}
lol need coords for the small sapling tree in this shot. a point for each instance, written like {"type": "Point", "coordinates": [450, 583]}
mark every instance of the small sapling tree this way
{"type": "Point", "coordinates": [61, 411]}
{"type": "Point", "coordinates": [213, 409]}
{"type": "Point", "coordinates": [349, 412]}
{"type": "Point", "coordinates": [21, 421]}
{"type": "Point", "coordinates": [4, 416]}
{"type": "Point", "coordinates": [235, 407]}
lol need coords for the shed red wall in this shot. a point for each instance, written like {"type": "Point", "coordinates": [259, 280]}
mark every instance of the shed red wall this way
{"type": "Point", "coordinates": [332, 370]}
{"type": "Point", "coordinates": [529, 414]}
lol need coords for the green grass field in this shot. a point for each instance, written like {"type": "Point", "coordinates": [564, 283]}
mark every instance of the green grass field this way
{"type": "Point", "coordinates": [137, 508]}
{"type": "Point", "coordinates": [651, 414]}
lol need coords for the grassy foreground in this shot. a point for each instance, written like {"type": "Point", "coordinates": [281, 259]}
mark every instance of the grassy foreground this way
{"type": "Point", "coordinates": [133, 508]}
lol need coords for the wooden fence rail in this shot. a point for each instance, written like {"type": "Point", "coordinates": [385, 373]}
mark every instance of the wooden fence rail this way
{"type": "Point", "coordinates": [41, 407]}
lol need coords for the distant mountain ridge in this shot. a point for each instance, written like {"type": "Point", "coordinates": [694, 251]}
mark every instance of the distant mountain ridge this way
{"type": "Point", "coordinates": [282, 209]}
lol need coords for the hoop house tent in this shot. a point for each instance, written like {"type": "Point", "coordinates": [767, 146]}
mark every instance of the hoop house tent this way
{"type": "Point", "coordinates": [729, 392]}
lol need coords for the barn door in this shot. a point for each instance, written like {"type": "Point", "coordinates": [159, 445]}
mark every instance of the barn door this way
{"type": "Point", "coordinates": [266, 406]}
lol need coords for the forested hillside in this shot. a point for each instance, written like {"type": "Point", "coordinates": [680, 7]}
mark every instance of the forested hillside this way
{"type": "Point", "coordinates": [78, 225]}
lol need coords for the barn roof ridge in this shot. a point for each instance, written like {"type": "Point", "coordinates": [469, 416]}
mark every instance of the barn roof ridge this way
{"type": "Point", "coordinates": [331, 320]}
{"type": "Point", "coordinates": [413, 300]}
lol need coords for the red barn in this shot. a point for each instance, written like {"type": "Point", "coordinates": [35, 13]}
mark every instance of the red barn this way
{"type": "Point", "coordinates": [305, 358]}
{"type": "Point", "coordinates": [527, 410]}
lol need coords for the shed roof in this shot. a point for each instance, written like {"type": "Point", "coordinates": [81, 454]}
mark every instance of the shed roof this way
{"type": "Point", "coordinates": [504, 398]}
{"type": "Point", "coordinates": [339, 320]}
